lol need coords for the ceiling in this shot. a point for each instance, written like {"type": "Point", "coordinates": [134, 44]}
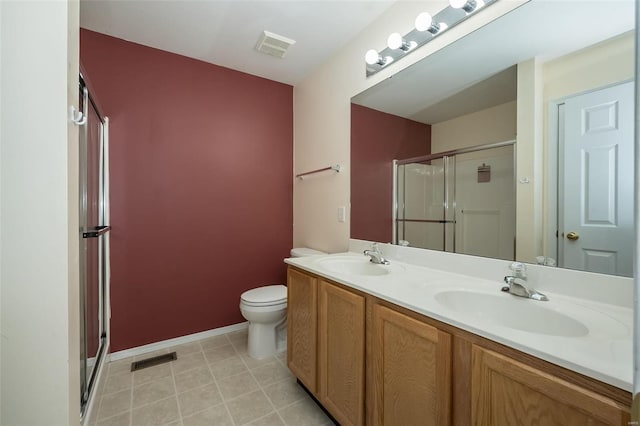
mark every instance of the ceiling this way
{"type": "Point", "coordinates": [476, 71]}
{"type": "Point", "coordinates": [225, 32]}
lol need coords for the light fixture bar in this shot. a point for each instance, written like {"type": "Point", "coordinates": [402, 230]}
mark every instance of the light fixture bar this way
{"type": "Point", "coordinates": [447, 18]}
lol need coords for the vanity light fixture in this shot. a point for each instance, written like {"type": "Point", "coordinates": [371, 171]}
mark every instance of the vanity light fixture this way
{"type": "Point", "coordinates": [424, 22]}
{"type": "Point", "coordinates": [466, 5]}
{"type": "Point", "coordinates": [373, 57]}
{"type": "Point", "coordinates": [427, 27]}
{"type": "Point", "coordinates": [395, 41]}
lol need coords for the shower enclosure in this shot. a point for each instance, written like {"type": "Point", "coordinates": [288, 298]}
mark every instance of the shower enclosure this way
{"type": "Point", "coordinates": [459, 201]}
{"type": "Point", "coordinates": [94, 242]}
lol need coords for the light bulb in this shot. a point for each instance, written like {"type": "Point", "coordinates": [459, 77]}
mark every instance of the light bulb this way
{"type": "Point", "coordinates": [395, 41]}
{"type": "Point", "coordinates": [457, 4]}
{"type": "Point", "coordinates": [466, 5]}
{"type": "Point", "coordinates": [372, 57]}
{"type": "Point", "coordinates": [424, 21]}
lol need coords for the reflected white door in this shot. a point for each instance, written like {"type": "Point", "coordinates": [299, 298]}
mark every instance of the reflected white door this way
{"type": "Point", "coordinates": [596, 188]}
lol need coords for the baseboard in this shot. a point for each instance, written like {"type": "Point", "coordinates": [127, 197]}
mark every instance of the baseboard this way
{"type": "Point", "coordinates": [151, 347]}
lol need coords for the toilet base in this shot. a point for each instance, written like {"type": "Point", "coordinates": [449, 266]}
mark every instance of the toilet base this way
{"type": "Point", "coordinates": [263, 340]}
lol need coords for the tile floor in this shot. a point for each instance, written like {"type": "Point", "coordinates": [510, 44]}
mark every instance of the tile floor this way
{"type": "Point", "coordinates": [213, 382]}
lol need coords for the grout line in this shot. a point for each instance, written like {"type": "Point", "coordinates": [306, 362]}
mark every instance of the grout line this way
{"type": "Point", "coordinates": [175, 389]}
{"type": "Point", "coordinates": [131, 402]}
{"type": "Point", "coordinates": [261, 388]}
{"type": "Point", "coordinates": [215, 382]}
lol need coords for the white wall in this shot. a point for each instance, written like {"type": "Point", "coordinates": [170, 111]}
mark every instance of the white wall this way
{"type": "Point", "coordinates": [39, 351]}
{"type": "Point", "coordinates": [490, 125]}
{"type": "Point", "coordinates": [322, 118]}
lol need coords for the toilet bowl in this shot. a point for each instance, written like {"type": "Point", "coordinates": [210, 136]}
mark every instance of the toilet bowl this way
{"type": "Point", "coordinates": [265, 308]}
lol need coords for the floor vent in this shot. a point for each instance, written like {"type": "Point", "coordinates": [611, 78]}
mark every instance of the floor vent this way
{"type": "Point", "coordinates": [150, 362]}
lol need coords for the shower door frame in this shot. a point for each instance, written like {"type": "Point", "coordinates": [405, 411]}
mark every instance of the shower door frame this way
{"type": "Point", "coordinates": [88, 381]}
{"type": "Point", "coordinates": [446, 155]}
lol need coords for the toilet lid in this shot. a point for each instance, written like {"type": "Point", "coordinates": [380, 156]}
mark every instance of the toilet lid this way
{"type": "Point", "coordinates": [264, 296]}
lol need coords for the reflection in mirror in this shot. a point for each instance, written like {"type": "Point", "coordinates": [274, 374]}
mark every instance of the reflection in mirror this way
{"type": "Point", "coordinates": [461, 202]}
{"type": "Point", "coordinates": [567, 101]}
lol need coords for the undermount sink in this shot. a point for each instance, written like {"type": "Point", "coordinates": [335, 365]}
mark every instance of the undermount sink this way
{"type": "Point", "coordinates": [354, 266]}
{"type": "Point", "coordinates": [512, 312]}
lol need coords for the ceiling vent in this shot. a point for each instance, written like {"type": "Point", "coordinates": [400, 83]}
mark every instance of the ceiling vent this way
{"type": "Point", "coordinates": [274, 44]}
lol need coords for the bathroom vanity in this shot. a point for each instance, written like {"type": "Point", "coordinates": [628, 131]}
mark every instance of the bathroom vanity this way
{"type": "Point", "coordinates": [408, 345]}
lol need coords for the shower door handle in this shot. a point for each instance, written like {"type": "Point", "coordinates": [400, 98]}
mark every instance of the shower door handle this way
{"type": "Point", "coordinates": [96, 232]}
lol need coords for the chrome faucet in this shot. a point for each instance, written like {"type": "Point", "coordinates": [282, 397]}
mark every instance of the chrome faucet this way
{"type": "Point", "coordinates": [376, 255]}
{"type": "Point", "coordinates": [516, 283]}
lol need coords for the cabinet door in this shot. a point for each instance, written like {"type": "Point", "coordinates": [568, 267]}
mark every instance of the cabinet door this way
{"type": "Point", "coordinates": [411, 371]}
{"type": "Point", "coordinates": [302, 317]}
{"type": "Point", "coordinates": [507, 392]}
{"type": "Point", "coordinates": [341, 353]}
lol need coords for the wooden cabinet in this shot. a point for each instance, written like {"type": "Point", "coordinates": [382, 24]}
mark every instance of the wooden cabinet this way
{"type": "Point", "coordinates": [369, 361]}
{"type": "Point", "coordinates": [411, 371]}
{"type": "Point", "coordinates": [510, 393]}
{"type": "Point", "coordinates": [302, 326]}
{"type": "Point", "coordinates": [341, 353]}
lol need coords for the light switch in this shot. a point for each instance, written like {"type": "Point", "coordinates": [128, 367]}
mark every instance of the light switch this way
{"type": "Point", "coordinates": [342, 214]}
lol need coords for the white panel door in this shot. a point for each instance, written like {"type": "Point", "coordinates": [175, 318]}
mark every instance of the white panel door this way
{"type": "Point", "coordinates": [596, 194]}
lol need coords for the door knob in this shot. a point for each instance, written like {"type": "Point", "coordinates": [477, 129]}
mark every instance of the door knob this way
{"type": "Point", "coordinates": [573, 236]}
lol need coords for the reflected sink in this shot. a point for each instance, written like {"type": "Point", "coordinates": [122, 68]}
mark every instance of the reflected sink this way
{"type": "Point", "coordinates": [512, 312]}
{"type": "Point", "coordinates": [354, 266]}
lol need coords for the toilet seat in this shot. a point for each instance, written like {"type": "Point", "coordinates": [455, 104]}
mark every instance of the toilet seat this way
{"type": "Point", "coordinates": [265, 296]}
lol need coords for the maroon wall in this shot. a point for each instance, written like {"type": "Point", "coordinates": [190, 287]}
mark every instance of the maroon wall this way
{"type": "Point", "coordinates": [378, 138]}
{"type": "Point", "coordinates": [201, 187]}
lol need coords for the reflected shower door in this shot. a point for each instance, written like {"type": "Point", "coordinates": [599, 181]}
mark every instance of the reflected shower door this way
{"type": "Point", "coordinates": [459, 201]}
{"type": "Point", "coordinates": [485, 203]}
{"type": "Point", "coordinates": [423, 204]}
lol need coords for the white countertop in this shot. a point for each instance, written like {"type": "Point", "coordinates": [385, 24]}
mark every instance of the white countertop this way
{"type": "Point", "coordinates": [603, 353]}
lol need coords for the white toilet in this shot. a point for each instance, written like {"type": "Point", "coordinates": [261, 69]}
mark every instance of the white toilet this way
{"type": "Point", "coordinates": [266, 310]}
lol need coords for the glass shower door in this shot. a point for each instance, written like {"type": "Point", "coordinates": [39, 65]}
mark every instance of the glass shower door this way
{"type": "Point", "coordinates": [424, 204]}
{"type": "Point", "coordinates": [92, 245]}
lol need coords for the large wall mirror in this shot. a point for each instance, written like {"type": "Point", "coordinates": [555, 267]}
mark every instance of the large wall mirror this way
{"type": "Point", "coordinates": [514, 142]}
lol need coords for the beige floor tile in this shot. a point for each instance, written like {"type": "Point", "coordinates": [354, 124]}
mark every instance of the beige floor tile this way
{"type": "Point", "coordinates": [151, 373]}
{"type": "Point", "coordinates": [285, 393]}
{"type": "Point", "coordinates": [123, 419]}
{"type": "Point", "coordinates": [304, 413]}
{"type": "Point", "coordinates": [186, 348]}
{"type": "Point", "coordinates": [193, 379]}
{"type": "Point", "coordinates": [188, 362]}
{"type": "Point", "coordinates": [238, 335]}
{"type": "Point", "coordinates": [199, 399]}
{"type": "Point", "coordinates": [254, 363]}
{"type": "Point", "coordinates": [282, 357]}
{"type": "Point", "coordinates": [249, 407]}
{"type": "Point", "coordinates": [120, 366]}
{"type": "Point", "coordinates": [218, 416]}
{"type": "Point", "coordinates": [153, 391]}
{"type": "Point", "coordinates": [234, 386]}
{"type": "Point", "coordinates": [117, 382]}
{"type": "Point", "coordinates": [269, 420]}
{"type": "Point", "coordinates": [115, 403]}
{"type": "Point", "coordinates": [270, 373]}
{"type": "Point", "coordinates": [214, 342]}
{"type": "Point", "coordinates": [158, 413]}
{"type": "Point", "coordinates": [220, 353]}
{"type": "Point", "coordinates": [240, 346]}
{"type": "Point", "coordinates": [227, 367]}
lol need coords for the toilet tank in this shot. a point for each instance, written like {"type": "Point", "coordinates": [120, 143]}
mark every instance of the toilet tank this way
{"type": "Point", "coordinates": [304, 251]}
